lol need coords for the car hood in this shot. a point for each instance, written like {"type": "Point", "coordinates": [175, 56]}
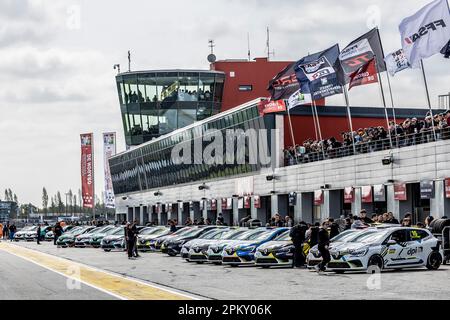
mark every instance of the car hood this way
{"type": "Point", "coordinates": [148, 237]}
{"type": "Point", "coordinates": [349, 246]}
{"type": "Point", "coordinates": [84, 236]}
{"type": "Point", "coordinates": [113, 238]}
{"type": "Point", "coordinates": [240, 244]}
{"type": "Point", "coordinates": [274, 245]}
{"type": "Point", "coordinates": [21, 232]}
{"type": "Point", "coordinates": [199, 242]}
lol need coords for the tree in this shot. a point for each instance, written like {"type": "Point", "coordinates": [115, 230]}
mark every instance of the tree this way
{"type": "Point", "coordinates": [44, 199]}
{"type": "Point", "coordinates": [10, 195]}
{"type": "Point", "coordinates": [16, 200]}
{"type": "Point", "coordinates": [6, 195]}
{"type": "Point", "coordinates": [59, 202]}
{"type": "Point", "coordinates": [52, 208]}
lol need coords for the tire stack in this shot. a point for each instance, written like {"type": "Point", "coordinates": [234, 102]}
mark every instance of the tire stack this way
{"type": "Point", "coordinates": [437, 227]}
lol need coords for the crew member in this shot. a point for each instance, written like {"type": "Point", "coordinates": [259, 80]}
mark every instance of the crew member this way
{"type": "Point", "coordinates": [297, 234]}
{"type": "Point", "coordinates": [323, 246]}
{"type": "Point", "coordinates": [38, 238]}
{"type": "Point", "coordinates": [57, 232]}
{"type": "Point", "coordinates": [130, 240]}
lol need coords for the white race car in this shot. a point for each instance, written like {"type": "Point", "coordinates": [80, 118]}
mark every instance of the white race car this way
{"type": "Point", "coordinates": [393, 248]}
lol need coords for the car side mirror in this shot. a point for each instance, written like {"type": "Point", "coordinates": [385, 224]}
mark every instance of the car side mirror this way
{"type": "Point", "coordinates": [391, 243]}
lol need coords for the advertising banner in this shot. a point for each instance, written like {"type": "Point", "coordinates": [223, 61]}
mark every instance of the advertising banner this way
{"type": "Point", "coordinates": [109, 150]}
{"type": "Point", "coordinates": [318, 197]}
{"type": "Point", "coordinates": [247, 202]}
{"type": "Point", "coordinates": [366, 194]}
{"type": "Point", "coordinates": [447, 188]}
{"type": "Point", "coordinates": [349, 195]}
{"type": "Point", "coordinates": [266, 106]}
{"type": "Point", "coordinates": [400, 192]}
{"type": "Point", "coordinates": [284, 84]}
{"type": "Point", "coordinates": [257, 202]}
{"type": "Point", "coordinates": [379, 193]}
{"type": "Point", "coordinates": [292, 199]}
{"type": "Point", "coordinates": [396, 62]}
{"type": "Point", "coordinates": [224, 203]}
{"type": "Point", "coordinates": [87, 170]}
{"type": "Point", "coordinates": [426, 189]}
{"type": "Point", "coordinates": [214, 204]}
{"type": "Point", "coordinates": [241, 203]}
{"type": "Point", "coordinates": [229, 204]}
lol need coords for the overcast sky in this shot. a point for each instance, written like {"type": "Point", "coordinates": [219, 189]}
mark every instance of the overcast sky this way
{"type": "Point", "coordinates": [57, 78]}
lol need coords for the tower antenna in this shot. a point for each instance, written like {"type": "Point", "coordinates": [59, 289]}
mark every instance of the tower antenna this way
{"type": "Point", "coordinates": [248, 45]}
{"type": "Point", "coordinates": [269, 53]}
{"type": "Point", "coordinates": [129, 61]}
{"type": "Point", "coordinates": [211, 45]}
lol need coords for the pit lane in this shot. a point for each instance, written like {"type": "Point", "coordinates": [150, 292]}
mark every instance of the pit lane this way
{"type": "Point", "coordinates": [250, 283]}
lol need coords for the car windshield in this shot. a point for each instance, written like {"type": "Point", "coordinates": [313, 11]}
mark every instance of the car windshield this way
{"type": "Point", "coordinates": [95, 230]}
{"type": "Point", "coordinates": [183, 231]}
{"type": "Point", "coordinates": [284, 237]}
{"type": "Point", "coordinates": [212, 234]}
{"type": "Point", "coordinates": [346, 235]}
{"type": "Point", "coordinates": [230, 234]}
{"type": "Point", "coordinates": [370, 237]}
{"type": "Point", "coordinates": [148, 231]}
{"type": "Point", "coordinates": [261, 236]}
{"type": "Point", "coordinates": [74, 230]}
{"type": "Point", "coordinates": [194, 232]}
{"type": "Point", "coordinates": [117, 231]}
{"type": "Point", "coordinates": [246, 235]}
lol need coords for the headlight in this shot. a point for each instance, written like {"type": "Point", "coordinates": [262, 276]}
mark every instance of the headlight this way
{"type": "Point", "coordinates": [248, 249]}
{"type": "Point", "coordinates": [359, 252]}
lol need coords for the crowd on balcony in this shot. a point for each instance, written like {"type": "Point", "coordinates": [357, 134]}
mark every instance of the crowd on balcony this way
{"type": "Point", "coordinates": [409, 132]}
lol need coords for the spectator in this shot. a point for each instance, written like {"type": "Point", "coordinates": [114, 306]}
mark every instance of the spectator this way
{"type": "Point", "coordinates": [391, 219]}
{"type": "Point", "coordinates": [334, 228]}
{"type": "Point", "coordinates": [364, 218]}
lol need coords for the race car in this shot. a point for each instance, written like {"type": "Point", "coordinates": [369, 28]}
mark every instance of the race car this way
{"type": "Point", "coordinates": [214, 251]}
{"type": "Point", "coordinates": [195, 250]}
{"type": "Point", "coordinates": [115, 240]}
{"type": "Point", "coordinates": [155, 244]}
{"type": "Point", "coordinates": [279, 252]}
{"type": "Point", "coordinates": [148, 234]}
{"type": "Point", "coordinates": [22, 234]}
{"type": "Point", "coordinates": [84, 240]}
{"type": "Point", "coordinates": [393, 248]}
{"type": "Point", "coordinates": [49, 235]}
{"type": "Point", "coordinates": [172, 246]}
{"type": "Point", "coordinates": [68, 238]}
{"type": "Point", "coordinates": [243, 252]}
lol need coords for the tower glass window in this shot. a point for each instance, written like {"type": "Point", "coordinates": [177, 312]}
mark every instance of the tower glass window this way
{"type": "Point", "coordinates": [154, 103]}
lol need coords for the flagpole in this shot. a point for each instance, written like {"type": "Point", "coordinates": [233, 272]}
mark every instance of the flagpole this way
{"type": "Point", "coordinates": [349, 114]}
{"type": "Point", "coordinates": [390, 88]}
{"type": "Point", "coordinates": [318, 126]}
{"type": "Point", "coordinates": [428, 99]}
{"type": "Point", "coordinates": [290, 126]}
{"type": "Point", "coordinates": [314, 121]}
{"type": "Point", "coordinates": [383, 98]}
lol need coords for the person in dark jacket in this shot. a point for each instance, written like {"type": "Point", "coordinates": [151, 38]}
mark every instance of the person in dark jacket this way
{"type": "Point", "coordinates": [129, 238]}
{"type": "Point", "coordinates": [12, 232]}
{"type": "Point", "coordinates": [136, 232]}
{"type": "Point", "coordinates": [323, 246]}
{"type": "Point", "coordinates": [173, 227]}
{"type": "Point", "coordinates": [297, 235]}
{"type": "Point", "coordinates": [57, 232]}
{"type": "Point", "coordinates": [38, 238]}
{"type": "Point", "coordinates": [334, 228]}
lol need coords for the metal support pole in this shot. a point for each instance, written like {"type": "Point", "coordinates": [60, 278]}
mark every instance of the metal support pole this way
{"type": "Point", "coordinates": [428, 98]}
{"type": "Point", "coordinates": [349, 114]}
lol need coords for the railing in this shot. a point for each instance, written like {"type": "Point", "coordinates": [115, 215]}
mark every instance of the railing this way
{"type": "Point", "coordinates": [398, 141]}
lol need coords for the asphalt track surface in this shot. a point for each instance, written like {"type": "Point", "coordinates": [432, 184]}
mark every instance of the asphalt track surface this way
{"type": "Point", "coordinates": [157, 276]}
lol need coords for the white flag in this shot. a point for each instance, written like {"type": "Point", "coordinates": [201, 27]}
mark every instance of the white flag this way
{"type": "Point", "coordinates": [396, 62]}
{"type": "Point", "coordinates": [109, 150]}
{"type": "Point", "coordinates": [426, 32]}
{"type": "Point", "coordinates": [298, 99]}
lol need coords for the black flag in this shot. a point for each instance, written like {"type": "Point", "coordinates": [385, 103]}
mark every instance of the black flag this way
{"type": "Point", "coordinates": [284, 84]}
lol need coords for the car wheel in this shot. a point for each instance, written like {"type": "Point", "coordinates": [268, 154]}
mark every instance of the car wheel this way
{"type": "Point", "coordinates": [172, 254]}
{"type": "Point", "coordinates": [375, 261]}
{"type": "Point", "coordinates": [434, 261]}
{"type": "Point", "coordinates": [234, 265]}
{"type": "Point", "coordinates": [107, 250]}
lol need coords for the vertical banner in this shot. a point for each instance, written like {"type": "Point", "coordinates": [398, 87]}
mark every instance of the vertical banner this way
{"type": "Point", "coordinates": [366, 196]}
{"type": "Point", "coordinates": [400, 192]}
{"type": "Point", "coordinates": [257, 202]}
{"type": "Point", "coordinates": [109, 150]}
{"type": "Point", "coordinates": [379, 193]}
{"type": "Point", "coordinates": [426, 189]}
{"type": "Point", "coordinates": [318, 197]}
{"type": "Point", "coordinates": [447, 188]}
{"type": "Point", "coordinates": [292, 199]}
{"type": "Point", "coordinates": [87, 170]}
{"type": "Point", "coordinates": [349, 195]}
{"type": "Point", "coordinates": [224, 203]}
{"type": "Point", "coordinates": [214, 204]}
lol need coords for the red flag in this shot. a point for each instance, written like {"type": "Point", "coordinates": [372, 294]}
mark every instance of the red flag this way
{"type": "Point", "coordinates": [87, 170]}
{"type": "Point", "coordinates": [366, 74]}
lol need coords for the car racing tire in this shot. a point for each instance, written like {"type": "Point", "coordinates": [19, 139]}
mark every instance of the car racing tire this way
{"type": "Point", "coordinates": [377, 261]}
{"type": "Point", "coordinates": [107, 250]}
{"type": "Point", "coordinates": [434, 261]}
